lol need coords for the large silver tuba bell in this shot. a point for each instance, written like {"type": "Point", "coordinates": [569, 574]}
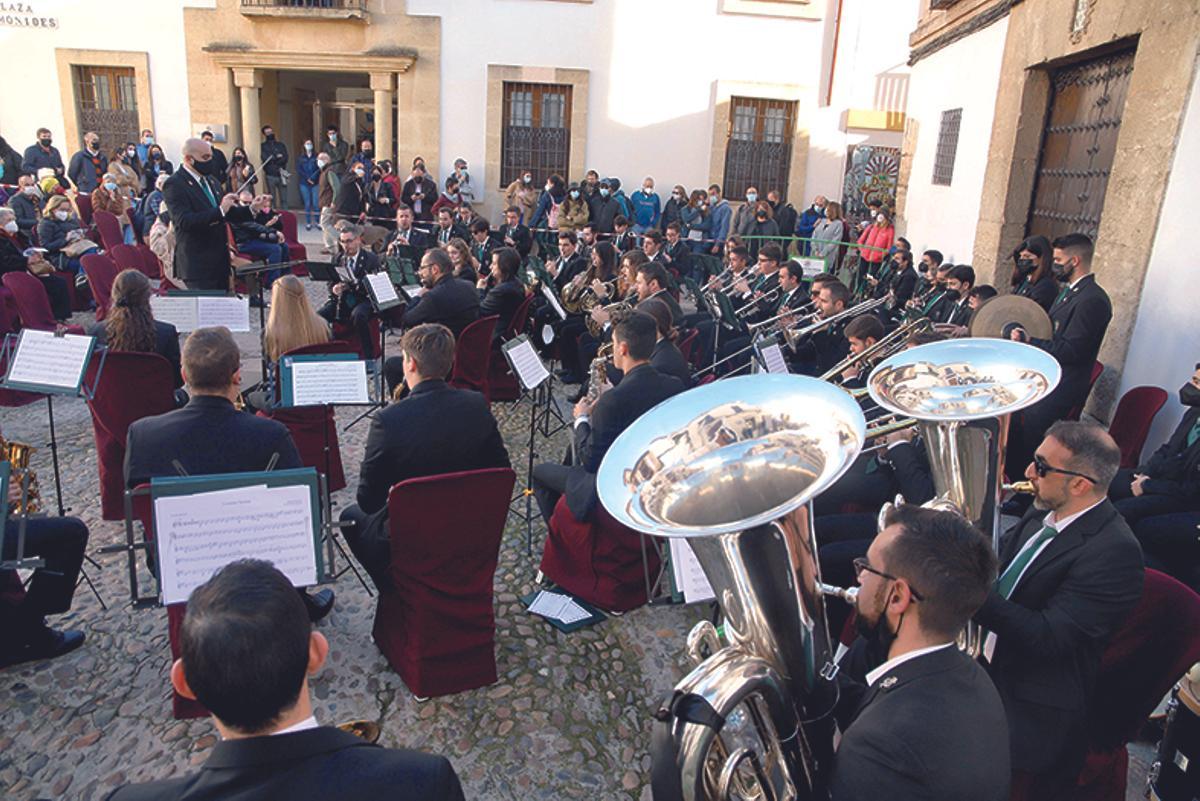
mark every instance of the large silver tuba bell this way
{"type": "Point", "coordinates": [732, 466]}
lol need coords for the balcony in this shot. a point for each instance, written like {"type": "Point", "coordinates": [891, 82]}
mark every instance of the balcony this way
{"type": "Point", "coordinates": [308, 9]}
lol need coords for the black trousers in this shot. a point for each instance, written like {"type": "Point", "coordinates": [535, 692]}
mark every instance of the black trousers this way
{"type": "Point", "coordinates": [60, 298]}
{"type": "Point", "coordinates": [568, 333]}
{"type": "Point", "coordinates": [549, 484]}
{"type": "Point", "coordinates": [370, 541]}
{"type": "Point", "coordinates": [360, 320]}
{"type": "Point", "coordinates": [1136, 508]}
{"type": "Point", "coordinates": [60, 541]}
{"type": "Point", "coordinates": [207, 281]}
{"type": "Point", "coordinates": [1171, 544]}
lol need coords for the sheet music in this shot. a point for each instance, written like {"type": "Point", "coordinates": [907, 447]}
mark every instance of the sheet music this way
{"type": "Point", "coordinates": [531, 370]}
{"type": "Point", "coordinates": [811, 266]}
{"type": "Point", "coordinates": [201, 533]}
{"type": "Point", "coordinates": [382, 288]}
{"type": "Point", "coordinates": [233, 313]}
{"type": "Point", "coordinates": [558, 607]}
{"type": "Point", "coordinates": [772, 356]}
{"type": "Point", "coordinates": [413, 292]}
{"type": "Point", "coordinates": [181, 312]}
{"type": "Point", "coordinates": [696, 235]}
{"type": "Point", "coordinates": [689, 576]}
{"type": "Point", "coordinates": [333, 381]}
{"type": "Point", "coordinates": [48, 360]}
{"type": "Point", "coordinates": [552, 299]}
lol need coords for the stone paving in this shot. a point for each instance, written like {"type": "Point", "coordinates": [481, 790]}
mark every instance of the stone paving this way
{"type": "Point", "coordinates": [569, 717]}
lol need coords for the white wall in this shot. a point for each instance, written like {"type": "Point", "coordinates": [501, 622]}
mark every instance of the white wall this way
{"type": "Point", "coordinates": [963, 75]}
{"type": "Point", "coordinates": [31, 97]}
{"type": "Point", "coordinates": [1166, 338]}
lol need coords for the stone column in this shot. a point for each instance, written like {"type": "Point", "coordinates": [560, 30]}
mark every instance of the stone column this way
{"type": "Point", "coordinates": [249, 82]}
{"type": "Point", "coordinates": [382, 85]}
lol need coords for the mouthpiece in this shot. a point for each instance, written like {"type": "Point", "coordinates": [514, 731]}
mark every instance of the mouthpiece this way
{"type": "Point", "coordinates": [1020, 487]}
{"type": "Point", "coordinates": [850, 595]}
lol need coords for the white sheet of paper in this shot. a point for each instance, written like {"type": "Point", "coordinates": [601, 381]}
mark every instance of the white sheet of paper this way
{"type": "Point", "coordinates": [531, 371]}
{"type": "Point", "coordinates": [558, 607]}
{"type": "Point", "coordinates": [552, 299]}
{"type": "Point", "coordinates": [811, 266]}
{"type": "Point", "coordinates": [333, 381]}
{"type": "Point", "coordinates": [773, 355]}
{"type": "Point", "coordinates": [233, 313]}
{"type": "Point", "coordinates": [381, 286]}
{"type": "Point", "coordinates": [49, 360]}
{"type": "Point", "coordinates": [695, 235]}
{"type": "Point", "coordinates": [181, 312]}
{"type": "Point", "coordinates": [199, 534]}
{"type": "Point", "coordinates": [689, 576]}
{"type": "Point", "coordinates": [413, 292]}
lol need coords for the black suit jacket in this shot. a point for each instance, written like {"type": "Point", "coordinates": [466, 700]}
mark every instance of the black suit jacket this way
{"type": "Point", "coordinates": [567, 269]}
{"type": "Point", "coordinates": [207, 436]}
{"type": "Point", "coordinates": [522, 240]}
{"type": "Point", "coordinates": [640, 390]}
{"type": "Point", "coordinates": [457, 231]}
{"type": "Point", "coordinates": [958, 313]}
{"type": "Point", "coordinates": [930, 728]}
{"type": "Point", "coordinates": [678, 256]}
{"type": "Point", "coordinates": [452, 302]}
{"type": "Point", "coordinates": [1053, 630]}
{"type": "Point", "coordinates": [1080, 319]}
{"type": "Point", "coordinates": [672, 304]}
{"type": "Point", "coordinates": [1174, 469]}
{"type": "Point", "coordinates": [503, 299]}
{"type": "Point", "coordinates": [668, 360]}
{"type": "Point", "coordinates": [201, 240]}
{"type": "Point", "coordinates": [904, 284]}
{"type": "Point", "coordinates": [323, 764]}
{"type": "Point", "coordinates": [365, 262]}
{"type": "Point", "coordinates": [417, 239]}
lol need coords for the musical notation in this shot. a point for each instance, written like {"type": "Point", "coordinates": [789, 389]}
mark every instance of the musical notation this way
{"type": "Point", "coordinates": [530, 369]}
{"type": "Point", "coordinates": [689, 576]}
{"type": "Point", "coordinates": [44, 359]}
{"type": "Point", "coordinates": [189, 312]}
{"type": "Point", "coordinates": [383, 290]}
{"type": "Point", "coordinates": [772, 356]}
{"type": "Point", "coordinates": [333, 382]}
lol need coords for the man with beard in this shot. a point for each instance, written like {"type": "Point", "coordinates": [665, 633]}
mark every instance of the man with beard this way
{"type": "Point", "coordinates": [929, 723]}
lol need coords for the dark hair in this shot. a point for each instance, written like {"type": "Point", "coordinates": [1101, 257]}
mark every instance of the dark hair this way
{"type": "Point", "coordinates": [661, 313]}
{"type": "Point", "coordinates": [639, 332]}
{"type": "Point", "coordinates": [634, 258]}
{"type": "Point", "coordinates": [331, 127]}
{"type": "Point", "coordinates": [824, 278]}
{"type": "Point", "coordinates": [431, 346]}
{"type": "Point", "coordinates": [946, 560]}
{"type": "Point", "coordinates": [902, 241]}
{"type": "Point", "coordinates": [441, 259]}
{"type": "Point", "coordinates": [209, 134]}
{"type": "Point", "coordinates": [838, 291]}
{"type": "Point", "coordinates": [608, 260]}
{"type": "Point", "coordinates": [655, 272]}
{"type": "Point", "coordinates": [244, 645]}
{"type": "Point", "coordinates": [403, 207]}
{"type": "Point", "coordinates": [795, 269]}
{"type": "Point", "coordinates": [717, 187]}
{"type": "Point", "coordinates": [450, 181]}
{"type": "Point", "coordinates": [964, 273]}
{"type": "Point", "coordinates": [935, 256]}
{"type": "Point", "coordinates": [1093, 450]}
{"type": "Point", "coordinates": [905, 257]}
{"type": "Point", "coordinates": [741, 252]}
{"type": "Point", "coordinates": [621, 220]}
{"type": "Point", "coordinates": [1080, 245]}
{"type": "Point", "coordinates": [983, 292]}
{"type": "Point", "coordinates": [449, 211]}
{"type": "Point", "coordinates": [673, 226]}
{"type": "Point", "coordinates": [129, 325]}
{"type": "Point", "coordinates": [1039, 246]}
{"type": "Point", "coordinates": [509, 261]}
{"type": "Point", "coordinates": [569, 236]}
{"type": "Point", "coordinates": [772, 252]}
{"type": "Point", "coordinates": [864, 327]}
{"type": "Point", "coordinates": [266, 128]}
{"type": "Point", "coordinates": [210, 359]}
{"type": "Point", "coordinates": [513, 210]}
{"type": "Point", "coordinates": [480, 226]}
{"type": "Point", "coordinates": [654, 236]}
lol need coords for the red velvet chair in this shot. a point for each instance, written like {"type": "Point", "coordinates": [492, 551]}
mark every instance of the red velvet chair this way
{"type": "Point", "coordinates": [32, 303]}
{"type": "Point", "coordinates": [599, 560]}
{"type": "Point", "coordinates": [109, 228]}
{"type": "Point", "coordinates": [687, 346]}
{"type": "Point", "coordinates": [84, 204]}
{"type": "Point", "coordinates": [10, 398]}
{"type": "Point", "coordinates": [295, 249]}
{"type": "Point", "coordinates": [1132, 420]}
{"type": "Point", "coordinates": [101, 271]}
{"type": "Point", "coordinates": [1155, 645]}
{"type": "Point", "coordinates": [436, 625]}
{"type": "Point", "coordinates": [151, 266]}
{"type": "Point", "coordinates": [1077, 411]}
{"type": "Point", "coordinates": [132, 386]}
{"type": "Point", "coordinates": [126, 257]}
{"type": "Point", "coordinates": [502, 384]}
{"type": "Point", "coordinates": [473, 355]}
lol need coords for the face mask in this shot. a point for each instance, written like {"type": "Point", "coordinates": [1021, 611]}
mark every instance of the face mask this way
{"type": "Point", "coordinates": [238, 158]}
{"type": "Point", "coordinates": [924, 268]}
{"type": "Point", "coordinates": [1025, 266]}
{"type": "Point", "coordinates": [878, 636]}
{"type": "Point", "coordinates": [110, 186]}
{"type": "Point", "coordinates": [713, 199]}
{"type": "Point", "coordinates": [30, 190]}
{"type": "Point", "coordinates": [879, 218]}
{"type": "Point", "coordinates": [131, 153]}
{"type": "Point", "coordinates": [1189, 393]}
{"type": "Point", "coordinates": [270, 137]}
{"type": "Point", "coordinates": [333, 138]}
{"type": "Point", "coordinates": [761, 217]}
{"type": "Point", "coordinates": [308, 147]}
{"type": "Point", "coordinates": [11, 227]}
{"type": "Point", "coordinates": [820, 209]}
{"type": "Point", "coordinates": [751, 197]}
{"type": "Point", "coordinates": [45, 142]}
{"type": "Point", "coordinates": [676, 196]}
{"type": "Point", "coordinates": [575, 194]}
{"type": "Point", "coordinates": [527, 179]}
{"type": "Point", "coordinates": [359, 173]}
{"type": "Point", "coordinates": [604, 191]}
{"type": "Point", "coordinates": [548, 187]}
{"type": "Point", "coordinates": [62, 215]}
{"type": "Point", "coordinates": [649, 190]}
{"type": "Point", "coordinates": [156, 156]}
{"type": "Point", "coordinates": [1062, 272]}
{"type": "Point", "coordinates": [93, 145]}
{"type": "Point", "coordinates": [204, 167]}
{"type": "Point", "coordinates": [366, 151]}
{"type": "Point", "coordinates": [148, 140]}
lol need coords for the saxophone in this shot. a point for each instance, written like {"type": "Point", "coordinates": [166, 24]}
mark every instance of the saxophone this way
{"type": "Point", "coordinates": [17, 454]}
{"type": "Point", "coordinates": [598, 373]}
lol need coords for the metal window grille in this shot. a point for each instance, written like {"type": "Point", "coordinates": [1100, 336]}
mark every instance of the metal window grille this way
{"type": "Point", "coordinates": [947, 147]}
{"type": "Point", "coordinates": [537, 131]}
{"type": "Point", "coordinates": [758, 148]}
{"type": "Point", "coordinates": [106, 102]}
{"type": "Point", "coordinates": [355, 5]}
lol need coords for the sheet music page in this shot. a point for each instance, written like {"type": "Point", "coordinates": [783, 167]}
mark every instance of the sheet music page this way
{"type": "Point", "coordinates": [696, 235]}
{"type": "Point", "coordinates": [811, 266]}
{"type": "Point", "coordinates": [689, 576]}
{"type": "Point", "coordinates": [558, 607]}
{"type": "Point", "coordinates": [344, 272]}
{"type": "Point", "coordinates": [334, 381]}
{"type": "Point", "coordinates": [233, 313]}
{"type": "Point", "coordinates": [381, 286]}
{"type": "Point", "coordinates": [201, 533]}
{"type": "Point", "coordinates": [529, 366]}
{"type": "Point", "coordinates": [48, 360]}
{"type": "Point", "coordinates": [413, 292]}
{"type": "Point", "coordinates": [772, 354]}
{"type": "Point", "coordinates": [181, 312]}
{"type": "Point", "coordinates": [552, 299]}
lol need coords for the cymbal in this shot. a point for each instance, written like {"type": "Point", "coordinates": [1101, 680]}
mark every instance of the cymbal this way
{"type": "Point", "coordinates": [992, 317]}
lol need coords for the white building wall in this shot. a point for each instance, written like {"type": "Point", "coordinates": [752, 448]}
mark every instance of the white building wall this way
{"type": "Point", "coordinates": [31, 98]}
{"type": "Point", "coordinates": [963, 75]}
{"type": "Point", "coordinates": [1166, 338]}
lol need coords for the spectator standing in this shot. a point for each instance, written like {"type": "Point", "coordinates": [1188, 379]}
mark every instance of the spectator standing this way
{"type": "Point", "coordinates": [381, 201]}
{"type": "Point", "coordinates": [692, 218]}
{"type": "Point", "coordinates": [574, 213]}
{"type": "Point", "coordinates": [365, 155]}
{"type": "Point", "coordinates": [143, 146]}
{"type": "Point", "coordinates": [88, 166]}
{"type": "Point", "coordinates": [763, 227]}
{"type": "Point", "coordinates": [829, 236]}
{"type": "Point", "coordinates": [390, 177]}
{"type": "Point", "coordinates": [806, 225]}
{"type": "Point", "coordinates": [606, 209]}
{"type": "Point", "coordinates": [466, 189]}
{"type": "Point", "coordinates": [327, 187]}
{"type": "Point", "coordinates": [784, 215]}
{"type": "Point", "coordinates": [274, 155]}
{"type": "Point", "coordinates": [43, 155]}
{"type": "Point", "coordinates": [743, 220]}
{"type": "Point", "coordinates": [521, 193]}
{"type": "Point", "coordinates": [220, 162]}
{"type": "Point", "coordinates": [449, 198]}
{"type": "Point", "coordinates": [619, 195]}
{"type": "Point", "coordinates": [877, 237]}
{"type": "Point", "coordinates": [720, 218]}
{"type": "Point", "coordinates": [10, 163]}
{"type": "Point", "coordinates": [124, 164]}
{"type": "Point", "coordinates": [673, 208]}
{"type": "Point", "coordinates": [646, 207]}
{"type": "Point", "coordinates": [156, 165]}
{"type": "Point", "coordinates": [337, 149]}
{"type": "Point", "coordinates": [241, 173]}
{"type": "Point", "coordinates": [419, 193]}
{"type": "Point", "coordinates": [309, 173]}
{"type": "Point", "coordinates": [546, 214]}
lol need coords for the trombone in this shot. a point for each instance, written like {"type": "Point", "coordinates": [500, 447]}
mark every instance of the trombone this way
{"type": "Point", "coordinates": [794, 335]}
{"type": "Point", "coordinates": [802, 313]}
{"type": "Point", "coordinates": [892, 343]}
{"type": "Point", "coordinates": [752, 305]}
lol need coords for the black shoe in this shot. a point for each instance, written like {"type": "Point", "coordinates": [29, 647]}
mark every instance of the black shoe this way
{"type": "Point", "coordinates": [319, 604]}
{"type": "Point", "coordinates": [47, 644]}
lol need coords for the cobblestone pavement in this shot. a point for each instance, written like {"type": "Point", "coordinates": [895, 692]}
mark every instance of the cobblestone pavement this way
{"type": "Point", "coordinates": [569, 717]}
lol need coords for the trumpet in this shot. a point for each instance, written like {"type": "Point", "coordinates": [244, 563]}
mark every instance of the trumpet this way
{"type": "Point", "coordinates": [621, 306]}
{"type": "Point", "coordinates": [802, 313]}
{"type": "Point", "coordinates": [752, 306]}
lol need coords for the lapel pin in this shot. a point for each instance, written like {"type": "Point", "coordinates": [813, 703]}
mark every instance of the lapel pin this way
{"type": "Point", "coordinates": [888, 683]}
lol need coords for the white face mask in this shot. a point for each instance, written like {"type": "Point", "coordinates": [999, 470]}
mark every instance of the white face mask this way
{"type": "Point", "coordinates": [308, 146]}
{"type": "Point", "coordinates": [110, 186]}
{"type": "Point", "coordinates": [30, 190]}
{"type": "Point", "coordinates": [527, 179]}
{"type": "Point", "coordinates": [11, 226]}
{"type": "Point", "coordinates": [575, 194]}
{"type": "Point", "coordinates": [713, 199]}
{"type": "Point", "coordinates": [676, 195]}
{"type": "Point", "coordinates": [333, 138]}
{"type": "Point", "coordinates": [879, 218]}
{"type": "Point", "coordinates": [62, 215]}
{"type": "Point", "coordinates": [751, 197]}
{"type": "Point", "coordinates": [649, 190]}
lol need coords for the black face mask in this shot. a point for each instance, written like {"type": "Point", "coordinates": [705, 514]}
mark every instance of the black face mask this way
{"type": "Point", "coordinates": [923, 268]}
{"type": "Point", "coordinates": [45, 142]}
{"type": "Point", "coordinates": [1026, 266]}
{"type": "Point", "coordinates": [1189, 394]}
{"type": "Point", "coordinates": [1062, 272]}
{"type": "Point", "coordinates": [239, 158]}
{"type": "Point", "coordinates": [878, 636]}
{"type": "Point", "coordinates": [270, 137]}
{"type": "Point", "coordinates": [204, 167]}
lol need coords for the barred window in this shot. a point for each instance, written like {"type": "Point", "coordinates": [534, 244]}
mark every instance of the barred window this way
{"type": "Point", "coordinates": [947, 147]}
{"type": "Point", "coordinates": [106, 102]}
{"type": "Point", "coordinates": [537, 131]}
{"type": "Point", "coordinates": [758, 150]}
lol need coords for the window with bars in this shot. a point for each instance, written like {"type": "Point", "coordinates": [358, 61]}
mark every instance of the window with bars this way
{"type": "Point", "coordinates": [758, 151]}
{"type": "Point", "coordinates": [106, 102]}
{"type": "Point", "coordinates": [536, 136]}
{"type": "Point", "coordinates": [947, 147]}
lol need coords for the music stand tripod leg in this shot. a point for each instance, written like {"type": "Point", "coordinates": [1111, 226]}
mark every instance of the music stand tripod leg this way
{"type": "Point", "coordinates": [54, 456]}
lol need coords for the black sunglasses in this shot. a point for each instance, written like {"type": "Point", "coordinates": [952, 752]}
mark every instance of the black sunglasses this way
{"type": "Point", "coordinates": [1042, 468]}
{"type": "Point", "coordinates": [861, 564]}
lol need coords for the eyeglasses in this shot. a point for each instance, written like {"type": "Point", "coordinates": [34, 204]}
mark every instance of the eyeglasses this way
{"type": "Point", "coordinates": [861, 564]}
{"type": "Point", "coordinates": [1042, 468]}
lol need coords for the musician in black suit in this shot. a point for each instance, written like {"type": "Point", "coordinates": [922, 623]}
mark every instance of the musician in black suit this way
{"type": "Point", "coordinates": [349, 299]}
{"type": "Point", "coordinates": [501, 293]}
{"type": "Point", "coordinates": [755, 300]}
{"type": "Point", "coordinates": [447, 300]}
{"type": "Point", "coordinates": [667, 359]}
{"type": "Point", "coordinates": [928, 724]}
{"type": "Point", "coordinates": [447, 229]}
{"type": "Point", "coordinates": [823, 349]}
{"type": "Point", "coordinates": [405, 234]}
{"type": "Point", "coordinates": [247, 654]}
{"type": "Point", "coordinates": [676, 253]}
{"type": "Point", "coordinates": [198, 213]}
{"type": "Point", "coordinates": [903, 283]}
{"type": "Point", "coordinates": [597, 426]}
{"type": "Point", "coordinates": [209, 435]}
{"type": "Point", "coordinates": [1080, 316]}
{"type": "Point", "coordinates": [1067, 581]}
{"type": "Point", "coordinates": [435, 429]}
{"type": "Point", "coordinates": [959, 284]}
{"type": "Point", "coordinates": [515, 235]}
{"type": "Point", "coordinates": [482, 244]}
{"type": "Point", "coordinates": [568, 264]}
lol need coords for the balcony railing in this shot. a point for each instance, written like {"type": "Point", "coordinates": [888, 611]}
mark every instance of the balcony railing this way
{"type": "Point", "coordinates": [325, 9]}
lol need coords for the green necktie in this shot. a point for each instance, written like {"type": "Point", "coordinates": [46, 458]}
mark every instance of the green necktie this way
{"type": "Point", "coordinates": [1006, 582]}
{"type": "Point", "coordinates": [1194, 434]}
{"type": "Point", "coordinates": [204, 185]}
{"type": "Point", "coordinates": [1066, 290]}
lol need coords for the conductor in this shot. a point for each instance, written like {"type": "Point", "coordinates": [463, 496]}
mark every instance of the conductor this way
{"type": "Point", "coordinates": [199, 213]}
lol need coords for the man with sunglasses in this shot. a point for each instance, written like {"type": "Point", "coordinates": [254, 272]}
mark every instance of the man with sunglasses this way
{"type": "Point", "coordinates": [929, 723]}
{"type": "Point", "coordinates": [1070, 572]}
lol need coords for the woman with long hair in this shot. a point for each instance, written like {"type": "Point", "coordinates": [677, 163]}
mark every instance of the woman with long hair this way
{"type": "Point", "coordinates": [466, 266]}
{"type": "Point", "coordinates": [240, 172]}
{"type": "Point", "coordinates": [292, 322]}
{"type": "Point", "coordinates": [874, 244]}
{"type": "Point", "coordinates": [1031, 276]}
{"type": "Point", "coordinates": [130, 324]}
{"type": "Point", "coordinates": [829, 237]}
{"type": "Point", "coordinates": [127, 167]}
{"type": "Point", "coordinates": [694, 217]}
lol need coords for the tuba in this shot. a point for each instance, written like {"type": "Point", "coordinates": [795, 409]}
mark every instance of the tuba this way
{"type": "Point", "coordinates": [731, 467]}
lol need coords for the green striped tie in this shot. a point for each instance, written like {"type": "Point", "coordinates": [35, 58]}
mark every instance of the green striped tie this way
{"type": "Point", "coordinates": [1006, 582]}
{"type": "Point", "coordinates": [1194, 434]}
{"type": "Point", "coordinates": [207, 190]}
